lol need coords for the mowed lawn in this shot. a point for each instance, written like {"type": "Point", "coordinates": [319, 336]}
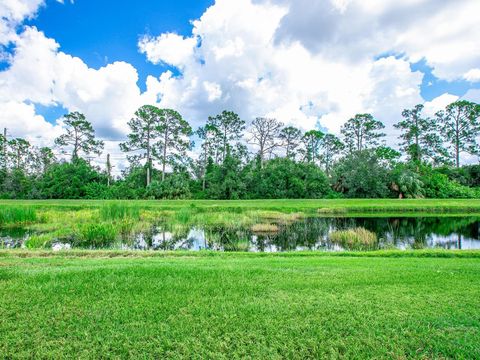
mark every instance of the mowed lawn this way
{"type": "Point", "coordinates": [239, 306]}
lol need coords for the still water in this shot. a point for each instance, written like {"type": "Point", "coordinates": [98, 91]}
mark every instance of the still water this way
{"type": "Point", "coordinates": [305, 234]}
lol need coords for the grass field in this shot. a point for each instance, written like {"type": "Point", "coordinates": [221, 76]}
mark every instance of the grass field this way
{"type": "Point", "coordinates": [305, 205]}
{"type": "Point", "coordinates": [239, 305]}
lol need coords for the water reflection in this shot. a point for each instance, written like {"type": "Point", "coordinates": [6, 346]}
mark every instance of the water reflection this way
{"type": "Point", "coordinates": [312, 234]}
{"type": "Point", "coordinates": [305, 234]}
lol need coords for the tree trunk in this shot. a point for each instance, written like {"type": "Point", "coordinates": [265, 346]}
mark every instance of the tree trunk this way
{"type": "Point", "coordinates": [149, 160]}
{"type": "Point", "coordinates": [164, 160]}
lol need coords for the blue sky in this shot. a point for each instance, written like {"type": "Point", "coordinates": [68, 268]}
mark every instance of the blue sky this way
{"type": "Point", "coordinates": [103, 31]}
{"type": "Point", "coordinates": [307, 63]}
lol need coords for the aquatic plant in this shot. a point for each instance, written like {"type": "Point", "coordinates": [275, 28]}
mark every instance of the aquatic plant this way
{"type": "Point", "coordinates": [40, 241]}
{"type": "Point", "coordinates": [17, 215]}
{"type": "Point", "coordinates": [354, 239]}
{"type": "Point", "coordinates": [119, 211]}
{"type": "Point", "coordinates": [264, 228]}
{"type": "Point", "coordinates": [95, 235]}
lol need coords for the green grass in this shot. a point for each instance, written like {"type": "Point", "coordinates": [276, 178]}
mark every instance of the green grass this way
{"type": "Point", "coordinates": [332, 206]}
{"type": "Point", "coordinates": [119, 211]}
{"type": "Point", "coordinates": [239, 305]}
{"type": "Point", "coordinates": [15, 215]}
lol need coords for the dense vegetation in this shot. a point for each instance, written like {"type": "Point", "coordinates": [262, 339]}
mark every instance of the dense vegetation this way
{"type": "Point", "coordinates": [262, 160]}
{"type": "Point", "coordinates": [236, 306]}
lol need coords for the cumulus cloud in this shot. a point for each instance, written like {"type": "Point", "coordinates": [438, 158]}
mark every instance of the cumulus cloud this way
{"type": "Point", "coordinates": [444, 33]}
{"type": "Point", "coordinates": [12, 13]}
{"type": "Point", "coordinates": [307, 63]}
{"type": "Point", "coordinates": [240, 64]}
{"type": "Point", "coordinates": [168, 48]}
{"type": "Point", "coordinates": [41, 74]}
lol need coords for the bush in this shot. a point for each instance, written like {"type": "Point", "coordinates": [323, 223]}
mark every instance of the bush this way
{"type": "Point", "coordinates": [175, 186]}
{"type": "Point", "coordinates": [361, 175]}
{"type": "Point", "coordinates": [438, 185]}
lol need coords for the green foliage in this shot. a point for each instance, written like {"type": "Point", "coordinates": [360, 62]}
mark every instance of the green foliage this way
{"type": "Point", "coordinates": [361, 175]}
{"type": "Point", "coordinates": [79, 136]}
{"type": "Point", "coordinates": [225, 181]}
{"type": "Point", "coordinates": [41, 241]}
{"type": "Point", "coordinates": [286, 179]}
{"type": "Point", "coordinates": [112, 211]}
{"type": "Point", "coordinates": [362, 132]}
{"type": "Point", "coordinates": [438, 185]}
{"type": "Point", "coordinates": [290, 137]}
{"type": "Point", "coordinates": [17, 215]}
{"type": "Point", "coordinates": [69, 180]}
{"type": "Point", "coordinates": [175, 186]}
{"type": "Point", "coordinates": [407, 183]}
{"type": "Point", "coordinates": [421, 140]}
{"type": "Point", "coordinates": [460, 126]}
{"type": "Point", "coordinates": [228, 128]}
{"type": "Point", "coordinates": [95, 234]}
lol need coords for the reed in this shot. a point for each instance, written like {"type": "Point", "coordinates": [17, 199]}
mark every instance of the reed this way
{"type": "Point", "coordinates": [119, 211]}
{"type": "Point", "coordinates": [17, 215]}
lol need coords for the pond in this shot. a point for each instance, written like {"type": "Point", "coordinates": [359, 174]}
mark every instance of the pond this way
{"type": "Point", "coordinates": [311, 233]}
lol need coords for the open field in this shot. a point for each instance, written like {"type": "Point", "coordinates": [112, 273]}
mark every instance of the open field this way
{"type": "Point", "coordinates": [239, 305]}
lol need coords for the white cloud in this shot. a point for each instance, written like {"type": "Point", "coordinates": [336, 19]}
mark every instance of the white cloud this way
{"type": "Point", "coordinates": [306, 63]}
{"type": "Point", "coordinates": [21, 121]}
{"type": "Point", "coordinates": [12, 13]}
{"type": "Point", "coordinates": [39, 73]}
{"type": "Point", "coordinates": [472, 75]}
{"type": "Point", "coordinates": [168, 48]}
{"type": "Point", "coordinates": [438, 103]}
{"type": "Point", "coordinates": [444, 33]}
{"type": "Point", "coordinates": [256, 75]}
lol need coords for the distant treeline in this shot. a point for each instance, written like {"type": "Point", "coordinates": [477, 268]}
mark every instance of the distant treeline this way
{"type": "Point", "coordinates": [262, 160]}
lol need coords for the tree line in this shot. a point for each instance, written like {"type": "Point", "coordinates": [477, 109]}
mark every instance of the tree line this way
{"type": "Point", "coordinates": [262, 159]}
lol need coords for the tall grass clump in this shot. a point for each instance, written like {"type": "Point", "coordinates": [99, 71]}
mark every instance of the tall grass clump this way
{"type": "Point", "coordinates": [119, 211]}
{"type": "Point", "coordinates": [354, 239]}
{"type": "Point", "coordinates": [185, 215]}
{"type": "Point", "coordinates": [17, 215]}
{"type": "Point", "coordinates": [95, 235]}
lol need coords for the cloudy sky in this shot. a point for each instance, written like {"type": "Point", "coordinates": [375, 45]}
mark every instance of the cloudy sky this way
{"type": "Point", "coordinates": [310, 63]}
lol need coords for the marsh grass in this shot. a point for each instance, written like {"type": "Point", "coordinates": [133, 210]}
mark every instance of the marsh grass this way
{"type": "Point", "coordinates": [14, 215]}
{"type": "Point", "coordinates": [354, 239]}
{"type": "Point", "coordinates": [39, 241]}
{"type": "Point", "coordinates": [264, 228]}
{"type": "Point", "coordinates": [95, 235]}
{"type": "Point", "coordinates": [119, 211]}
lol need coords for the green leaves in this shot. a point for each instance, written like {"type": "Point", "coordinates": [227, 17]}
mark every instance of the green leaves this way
{"type": "Point", "coordinates": [362, 132]}
{"type": "Point", "coordinates": [460, 127]}
{"type": "Point", "coordinates": [79, 136]}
